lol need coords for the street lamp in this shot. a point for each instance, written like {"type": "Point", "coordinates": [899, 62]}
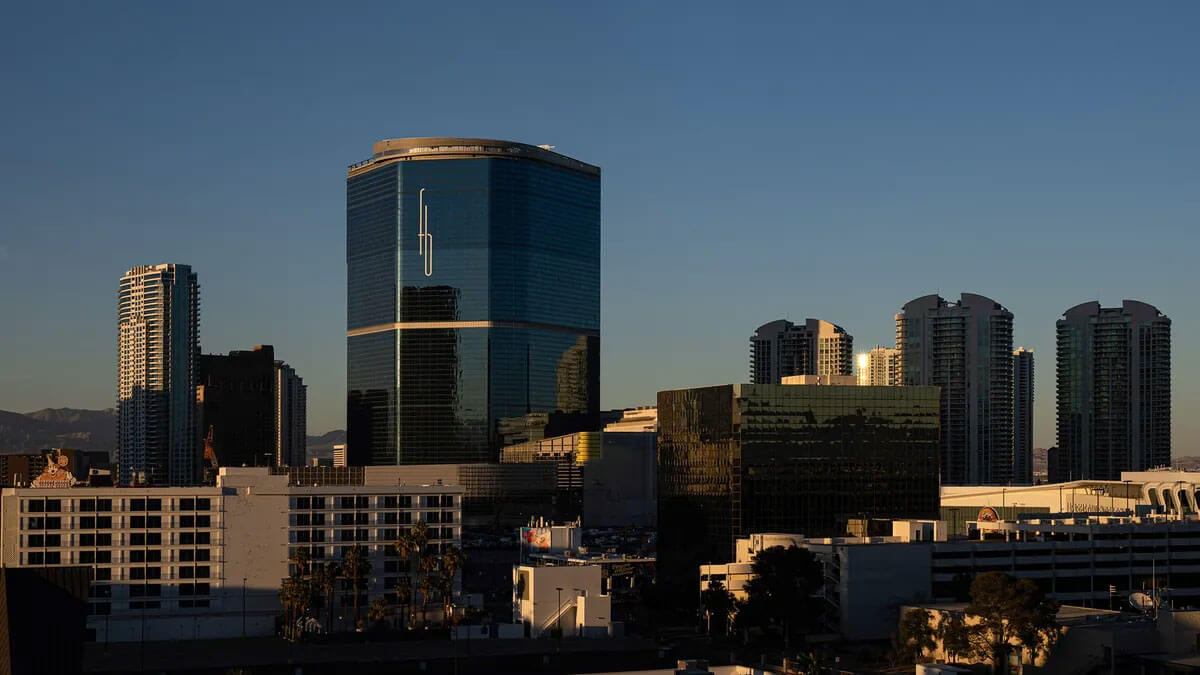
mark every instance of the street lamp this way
{"type": "Point", "coordinates": [559, 611]}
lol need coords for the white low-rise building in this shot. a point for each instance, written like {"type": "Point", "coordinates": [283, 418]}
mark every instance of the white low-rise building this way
{"type": "Point", "coordinates": [207, 562]}
{"type": "Point", "coordinates": [1166, 489]}
{"type": "Point", "coordinates": [568, 598]}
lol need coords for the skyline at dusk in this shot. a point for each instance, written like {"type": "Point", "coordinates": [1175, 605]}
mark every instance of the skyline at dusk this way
{"type": "Point", "coordinates": [808, 162]}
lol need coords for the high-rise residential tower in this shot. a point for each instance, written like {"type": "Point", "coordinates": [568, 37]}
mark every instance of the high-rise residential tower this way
{"type": "Point", "coordinates": [291, 416]}
{"type": "Point", "coordinates": [965, 348]}
{"type": "Point", "coordinates": [1023, 416]}
{"type": "Point", "coordinates": [879, 367]}
{"type": "Point", "coordinates": [158, 323]}
{"type": "Point", "coordinates": [473, 298]}
{"type": "Point", "coordinates": [781, 348]}
{"type": "Point", "coordinates": [1114, 390]}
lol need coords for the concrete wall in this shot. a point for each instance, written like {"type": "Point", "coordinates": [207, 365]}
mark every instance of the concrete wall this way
{"type": "Point", "coordinates": [620, 487]}
{"type": "Point", "coordinates": [536, 598]}
{"type": "Point", "coordinates": [256, 546]}
{"type": "Point", "coordinates": [1178, 631]}
{"type": "Point", "coordinates": [876, 579]}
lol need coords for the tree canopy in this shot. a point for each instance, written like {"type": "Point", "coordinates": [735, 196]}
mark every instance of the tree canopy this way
{"type": "Point", "coordinates": [1012, 613]}
{"type": "Point", "coordinates": [780, 594]}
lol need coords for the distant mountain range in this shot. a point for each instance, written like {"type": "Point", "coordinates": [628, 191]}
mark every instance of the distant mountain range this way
{"type": "Point", "coordinates": [58, 428]}
{"type": "Point", "coordinates": [322, 446]}
{"type": "Point", "coordinates": [93, 430]}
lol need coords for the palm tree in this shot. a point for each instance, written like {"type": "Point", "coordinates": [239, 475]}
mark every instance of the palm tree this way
{"type": "Point", "coordinates": [298, 595]}
{"type": "Point", "coordinates": [357, 566]}
{"type": "Point", "coordinates": [377, 614]}
{"type": "Point", "coordinates": [404, 599]}
{"type": "Point", "coordinates": [325, 578]}
{"type": "Point", "coordinates": [300, 560]}
{"type": "Point", "coordinates": [451, 562]}
{"type": "Point", "coordinates": [427, 583]}
{"type": "Point", "coordinates": [287, 596]}
{"type": "Point", "coordinates": [411, 546]}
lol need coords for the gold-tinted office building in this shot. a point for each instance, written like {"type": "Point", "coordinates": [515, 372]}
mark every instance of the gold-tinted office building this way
{"type": "Point", "coordinates": [741, 458]}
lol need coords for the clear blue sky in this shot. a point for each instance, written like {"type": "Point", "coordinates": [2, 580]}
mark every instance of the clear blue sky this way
{"type": "Point", "coordinates": [832, 160]}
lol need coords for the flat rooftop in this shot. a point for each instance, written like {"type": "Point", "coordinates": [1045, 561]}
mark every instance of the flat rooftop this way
{"type": "Point", "coordinates": [418, 148]}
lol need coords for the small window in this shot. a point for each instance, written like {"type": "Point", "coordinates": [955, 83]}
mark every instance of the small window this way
{"type": "Point", "coordinates": [187, 504]}
{"type": "Point", "coordinates": [53, 506]}
{"type": "Point", "coordinates": [103, 557]}
{"type": "Point", "coordinates": [104, 505]}
{"type": "Point", "coordinates": [137, 504]}
{"type": "Point", "coordinates": [318, 502]}
{"type": "Point", "coordinates": [303, 503]}
{"type": "Point", "coordinates": [202, 504]}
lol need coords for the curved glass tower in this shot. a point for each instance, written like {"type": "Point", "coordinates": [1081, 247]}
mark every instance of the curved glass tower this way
{"type": "Point", "coordinates": [473, 299]}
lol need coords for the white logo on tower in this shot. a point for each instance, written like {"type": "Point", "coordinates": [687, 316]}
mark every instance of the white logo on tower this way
{"type": "Point", "coordinates": [424, 239]}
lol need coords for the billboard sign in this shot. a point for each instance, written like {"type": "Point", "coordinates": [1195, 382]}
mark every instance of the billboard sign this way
{"type": "Point", "coordinates": [535, 538]}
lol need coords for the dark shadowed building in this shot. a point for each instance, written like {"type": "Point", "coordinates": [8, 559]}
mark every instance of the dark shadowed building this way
{"type": "Point", "coordinates": [237, 403]}
{"type": "Point", "coordinates": [1114, 390]}
{"type": "Point", "coordinates": [742, 458]}
{"type": "Point", "coordinates": [44, 613]}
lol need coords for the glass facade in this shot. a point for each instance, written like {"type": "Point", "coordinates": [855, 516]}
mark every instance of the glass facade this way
{"type": "Point", "coordinates": [740, 459]}
{"type": "Point", "coordinates": [473, 301]}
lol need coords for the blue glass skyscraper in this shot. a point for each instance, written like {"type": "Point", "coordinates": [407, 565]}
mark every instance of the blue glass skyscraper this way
{"type": "Point", "coordinates": [473, 299]}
